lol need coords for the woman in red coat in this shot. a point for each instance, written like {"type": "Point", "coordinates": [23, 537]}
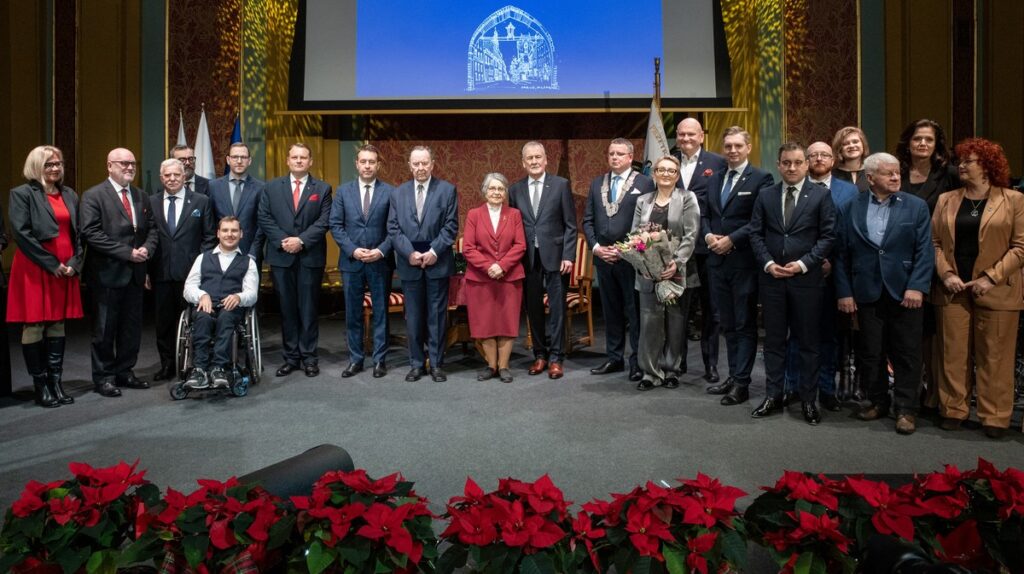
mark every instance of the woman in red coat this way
{"type": "Point", "coordinates": [494, 245]}
{"type": "Point", "coordinates": [44, 288]}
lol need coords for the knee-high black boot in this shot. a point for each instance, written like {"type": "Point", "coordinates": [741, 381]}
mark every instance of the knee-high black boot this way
{"type": "Point", "coordinates": [35, 362]}
{"type": "Point", "coordinates": [55, 368]}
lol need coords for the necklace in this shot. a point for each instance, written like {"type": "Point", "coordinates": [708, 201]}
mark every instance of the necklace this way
{"type": "Point", "coordinates": [975, 205]}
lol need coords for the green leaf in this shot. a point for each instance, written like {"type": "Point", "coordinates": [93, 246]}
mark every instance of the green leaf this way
{"type": "Point", "coordinates": [454, 557]}
{"type": "Point", "coordinates": [147, 547]}
{"type": "Point", "coordinates": [537, 564]}
{"type": "Point", "coordinates": [355, 554]}
{"type": "Point", "coordinates": [803, 564]}
{"type": "Point", "coordinates": [642, 565]}
{"type": "Point", "coordinates": [675, 559]}
{"type": "Point", "coordinates": [71, 559]}
{"type": "Point", "coordinates": [734, 549]}
{"type": "Point", "coordinates": [317, 559]}
{"type": "Point", "coordinates": [194, 548]}
{"type": "Point", "coordinates": [103, 562]}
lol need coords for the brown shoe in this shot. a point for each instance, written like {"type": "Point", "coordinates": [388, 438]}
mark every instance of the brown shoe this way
{"type": "Point", "coordinates": [874, 412]}
{"type": "Point", "coordinates": [950, 424]}
{"type": "Point", "coordinates": [538, 367]}
{"type": "Point", "coordinates": [555, 371]}
{"type": "Point", "coordinates": [906, 424]}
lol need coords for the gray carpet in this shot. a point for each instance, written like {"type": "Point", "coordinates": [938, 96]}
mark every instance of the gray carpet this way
{"type": "Point", "coordinates": [594, 435]}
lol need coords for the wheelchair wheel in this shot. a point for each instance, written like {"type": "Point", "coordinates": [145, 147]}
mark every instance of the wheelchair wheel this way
{"type": "Point", "coordinates": [254, 352]}
{"type": "Point", "coordinates": [240, 386]}
{"type": "Point", "coordinates": [178, 391]}
{"type": "Point", "coordinates": [183, 351]}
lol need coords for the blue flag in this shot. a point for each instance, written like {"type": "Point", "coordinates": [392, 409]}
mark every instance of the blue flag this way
{"type": "Point", "coordinates": [236, 137]}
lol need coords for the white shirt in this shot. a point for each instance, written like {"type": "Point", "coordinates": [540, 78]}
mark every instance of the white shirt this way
{"type": "Point", "coordinates": [117, 193]}
{"type": "Point", "coordinates": [250, 285]}
{"type": "Point", "coordinates": [362, 190]}
{"type": "Point", "coordinates": [688, 165]}
{"type": "Point", "coordinates": [302, 183]}
{"type": "Point", "coordinates": [495, 213]}
{"type": "Point", "coordinates": [736, 178]}
{"type": "Point", "coordinates": [785, 190]}
{"type": "Point", "coordinates": [179, 204]}
{"type": "Point", "coordinates": [827, 182]}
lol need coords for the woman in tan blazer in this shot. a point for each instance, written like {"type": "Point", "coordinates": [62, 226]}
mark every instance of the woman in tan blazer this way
{"type": "Point", "coordinates": [978, 232]}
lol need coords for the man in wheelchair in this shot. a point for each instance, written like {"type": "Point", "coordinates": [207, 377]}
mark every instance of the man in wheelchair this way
{"type": "Point", "coordinates": [223, 282]}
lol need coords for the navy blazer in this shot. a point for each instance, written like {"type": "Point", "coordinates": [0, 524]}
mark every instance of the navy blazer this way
{"type": "Point", "coordinates": [600, 229]}
{"type": "Point", "coordinates": [109, 236]}
{"type": "Point", "coordinates": [808, 237]}
{"type": "Point", "coordinates": [248, 210]}
{"type": "Point", "coordinates": [352, 231]}
{"type": "Point", "coordinates": [193, 234]}
{"type": "Point", "coordinates": [904, 260]}
{"type": "Point", "coordinates": [437, 231]}
{"type": "Point", "coordinates": [554, 224]}
{"type": "Point", "coordinates": [33, 222]}
{"type": "Point", "coordinates": [708, 164]}
{"type": "Point", "coordinates": [279, 219]}
{"type": "Point", "coordinates": [733, 219]}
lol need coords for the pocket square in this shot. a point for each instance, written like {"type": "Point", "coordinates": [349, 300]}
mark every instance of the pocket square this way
{"type": "Point", "coordinates": [314, 197]}
{"type": "Point", "coordinates": [634, 191]}
{"type": "Point", "coordinates": [196, 213]}
{"type": "Point", "coordinates": [744, 192]}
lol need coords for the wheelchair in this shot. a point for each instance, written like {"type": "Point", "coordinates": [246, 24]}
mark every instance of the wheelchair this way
{"type": "Point", "coordinates": [246, 356]}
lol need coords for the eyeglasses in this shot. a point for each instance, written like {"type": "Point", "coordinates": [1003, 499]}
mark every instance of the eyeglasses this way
{"type": "Point", "coordinates": [666, 171]}
{"type": "Point", "coordinates": [53, 164]}
{"type": "Point", "coordinates": [821, 154]}
{"type": "Point", "coordinates": [967, 162]}
{"type": "Point", "coordinates": [123, 163]}
{"type": "Point", "coordinates": [191, 159]}
{"type": "Point", "coordinates": [234, 157]}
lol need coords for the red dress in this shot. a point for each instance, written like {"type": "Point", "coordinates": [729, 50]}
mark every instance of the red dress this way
{"type": "Point", "coordinates": [493, 305]}
{"type": "Point", "coordinates": [35, 295]}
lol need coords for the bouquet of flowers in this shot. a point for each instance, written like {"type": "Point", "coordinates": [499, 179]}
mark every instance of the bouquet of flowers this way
{"type": "Point", "coordinates": [650, 249]}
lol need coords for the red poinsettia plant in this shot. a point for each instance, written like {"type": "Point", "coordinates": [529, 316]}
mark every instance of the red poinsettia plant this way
{"type": "Point", "coordinates": [520, 527]}
{"type": "Point", "coordinates": [220, 527]}
{"type": "Point", "coordinates": [77, 524]}
{"type": "Point", "coordinates": [693, 528]}
{"type": "Point", "coordinates": [354, 524]}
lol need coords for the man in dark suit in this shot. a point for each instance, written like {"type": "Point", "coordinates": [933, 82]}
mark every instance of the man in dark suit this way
{"type": "Point", "coordinates": [293, 213]}
{"type": "Point", "coordinates": [883, 270]}
{"type": "Point", "coordinates": [725, 227]}
{"type": "Point", "coordinates": [185, 227]}
{"type": "Point", "coordinates": [187, 157]}
{"type": "Point", "coordinates": [696, 167]}
{"type": "Point", "coordinates": [423, 223]}
{"type": "Point", "coordinates": [608, 219]}
{"type": "Point", "coordinates": [117, 228]}
{"type": "Point", "coordinates": [549, 222]}
{"type": "Point", "coordinates": [238, 194]}
{"type": "Point", "coordinates": [359, 224]}
{"type": "Point", "coordinates": [792, 231]}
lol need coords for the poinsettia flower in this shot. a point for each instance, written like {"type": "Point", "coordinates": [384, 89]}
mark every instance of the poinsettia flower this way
{"type": "Point", "coordinates": [646, 532]}
{"type": "Point", "coordinates": [963, 546]}
{"type": "Point", "coordinates": [946, 481]}
{"type": "Point", "coordinates": [824, 528]}
{"type": "Point", "coordinates": [529, 530]}
{"type": "Point", "coordinates": [358, 481]}
{"type": "Point", "coordinates": [1009, 491]}
{"type": "Point", "coordinates": [103, 495]}
{"type": "Point", "coordinates": [695, 560]}
{"type": "Point", "coordinates": [894, 510]}
{"type": "Point", "coordinates": [266, 516]}
{"type": "Point", "coordinates": [473, 526]}
{"type": "Point", "coordinates": [31, 498]}
{"type": "Point", "coordinates": [799, 486]}
{"type": "Point", "coordinates": [64, 508]}
{"type": "Point", "coordinates": [584, 531]}
{"type": "Point", "coordinates": [221, 535]}
{"type": "Point", "coordinates": [473, 495]}
{"type": "Point", "coordinates": [543, 496]}
{"type": "Point", "coordinates": [385, 523]}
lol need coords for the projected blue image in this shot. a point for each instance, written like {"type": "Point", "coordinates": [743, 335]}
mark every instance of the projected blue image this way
{"type": "Point", "coordinates": [455, 49]}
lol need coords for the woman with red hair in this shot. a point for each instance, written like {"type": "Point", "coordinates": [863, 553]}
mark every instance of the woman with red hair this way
{"type": "Point", "coordinates": [978, 232]}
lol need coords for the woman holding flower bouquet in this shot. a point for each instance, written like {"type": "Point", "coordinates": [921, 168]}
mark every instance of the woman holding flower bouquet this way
{"type": "Point", "coordinates": [494, 245]}
{"type": "Point", "coordinates": [660, 248]}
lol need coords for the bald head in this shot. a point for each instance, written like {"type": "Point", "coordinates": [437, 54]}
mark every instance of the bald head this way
{"type": "Point", "coordinates": [819, 155]}
{"type": "Point", "coordinates": [689, 136]}
{"type": "Point", "coordinates": [121, 166]}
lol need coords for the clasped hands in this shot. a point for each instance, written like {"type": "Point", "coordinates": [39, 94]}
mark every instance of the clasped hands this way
{"type": "Point", "coordinates": [423, 260]}
{"type": "Point", "coordinates": [978, 286]}
{"type": "Point", "coordinates": [719, 244]}
{"type": "Point", "coordinates": [228, 303]}
{"type": "Point", "coordinates": [63, 271]}
{"type": "Point", "coordinates": [366, 255]}
{"type": "Point", "coordinates": [607, 254]}
{"type": "Point", "coordinates": [139, 255]}
{"type": "Point", "coordinates": [791, 269]}
{"type": "Point", "coordinates": [291, 244]}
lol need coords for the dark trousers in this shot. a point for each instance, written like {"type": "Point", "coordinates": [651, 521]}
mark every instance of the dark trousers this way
{"type": "Point", "coordinates": [6, 387]}
{"type": "Point", "coordinates": [376, 279]}
{"type": "Point", "coordinates": [298, 292]}
{"type": "Point", "coordinates": [887, 329]}
{"type": "Point", "coordinates": [217, 327]}
{"type": "Point", "coordinates": [546, 329]}
{"type": "Point", "coordinates": [619, 303]}
{"type": "Point", "coordinates": [734, 291]}
{"type": "Point", "coordinates": [117, 331]}
{"type": "Point", "coordinates": [426, 317]}
{"type": "Point", "coordinates": [828, 347]}
{"type": "Point", "coordinates": [790, 311]}
{"type": "Point", "coordinates": [169, 303]}
{"type": "Point", "coordinates": [709, 317]}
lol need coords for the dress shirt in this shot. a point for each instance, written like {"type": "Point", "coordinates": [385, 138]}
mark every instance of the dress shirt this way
{"type": "Point", "coordinates": [362, 190]}
{"type": "Point", "coordinates": [529, 188]}
{"type": "Point", "coordinates": [827, 182]}
{"type": "Point", "coordinates": [250, 285]}
{"type": "Point", "coordinates": [179, 205]}
{"type": "Point", "coordinates": [688, 165]}
{"type": "Point", "coordinates": [878, 218]}
{"type": "Point", "coordinates": [302, 183]}
{"type": "Point", "coordinates": [622, 187]}
{"type": "Point", "coordinates": [426, 192]}
{"type": "Point", "coordinates": [495, 213]}
{"type": "Point", "coordinates": [117, 194]}
{"type": "Point", "coordinates": [736, 178]}
{"type": "Point", "coordinates": [785, 190]}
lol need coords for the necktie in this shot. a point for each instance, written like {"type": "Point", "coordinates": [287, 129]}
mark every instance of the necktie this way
{"type": "Point", "coordinates": [366, 201]}
{"type": "Point", "coordinates": [188, 186]}
{"type": "Point", "coordinates": [614, 191]}
{"type": "Point", "coordinates": [172, 215]}
{"type": "Point", "coordinates": [728, 186]}
{"type": "Point", "coordinates": [822, 184]}
{"type": "Point", "coordinates": [127, 205]}
{"type": "Point", "coordinates": [236, 195]}
{"type": "Point", "coordinates": [420, 196]}
{"type": "Point", "coordinates": [535, 196]}
{"type": "Point", "coordinates": [790, 204]}
{"type": "Point", "coordinates": [296, 193]}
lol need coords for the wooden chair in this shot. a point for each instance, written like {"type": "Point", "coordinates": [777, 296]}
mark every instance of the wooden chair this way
{"type": "Point", "coordinates": [579, 299]}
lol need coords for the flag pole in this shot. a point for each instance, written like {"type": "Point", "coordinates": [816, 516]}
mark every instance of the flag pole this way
{"type": "Point", "coordinates": [657, 82]}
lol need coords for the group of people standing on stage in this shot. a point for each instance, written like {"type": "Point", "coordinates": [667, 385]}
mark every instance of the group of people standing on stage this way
{"type": "Point", "coordinates": [924, 251]}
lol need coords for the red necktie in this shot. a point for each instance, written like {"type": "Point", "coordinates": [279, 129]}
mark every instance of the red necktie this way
{"type": "Point", "coordinates": [297, 193]}
{"type": "Point", "coordinates": [124, 201]}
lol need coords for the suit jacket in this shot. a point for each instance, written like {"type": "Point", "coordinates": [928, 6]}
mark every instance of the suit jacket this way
{"type": "Point", "coordinates": [684, 224]}
{"type": "Point", "coordinates": [939, 181]}
{"type": "Point", "coordinates": [437, 230]}
{"type": "Point", "coordinates": [483, 246]}
{"type": "Point", "coordinates": [3, 245]}
{"type": "Point", "coordinates": [248, 210]}
{"type": "Point", "coordinates": [33, 222]}
{"type": "Point", "coordinates": [554, 224]}
{"type": "Point", "coordinates": [843, 194]}
{"type": "Point", "coordinates": [808, 237]}
{"type": "Point", "coordinates": [352, 231]}
{"type": "Point", "coordinates": [598, 227]}
{"type": "Point", "coordinates": [733, 218]}
{"type": "Point", "coordinates": [279, 219]}
{"type": "Point", "coordinates": [905, 258]}
{"type": "Point", "coordinates": [699, 182]}
{"type": "Point", "coordinates": [1000, 247]}
{"type": "Point", "coordinates": [202, 185]}
{"type": "Point", "coordinates": [109, 236]}
{"type": "Point", "coordinates": [193, 234]}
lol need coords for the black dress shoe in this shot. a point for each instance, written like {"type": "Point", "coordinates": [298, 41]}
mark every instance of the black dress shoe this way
{"type": "Point", "coordinates": [486, 374]}
{"type": "Point", "coordinates": [711, 375]}
{"type": "Point", "coordinates": [311, 369]}
{"type": "Point", "coordinates": [438, 375]}
{"type": "Point", "coordinates": [132, 382]}
{"type": "Point", "coordinates": [671, 383]}
{"type": "Point", "coordinates": [737, 395]}
{"type": "Point", "coordinates": [352, 369]}
{"type": "Point", "coordinates": [108, 390]}
{"type": "Point", "coordinates": [830, 403]}
{"type": "Point", "coordinates": [811, 414]}
{"type": "Point", "coordinates": [415, 374]}
{"type": "Point", "coordinates": [682, 368]}
{"type": "Point", "coordinates": [379, 370]}
{"type": "Point", "coordinates": [767, 407]}
{"type": "Point", "coordinates": [721, 388]}
{"type": "Point", "coordinates": [608, 367]}
{"type": "Point", "coordinates": [286, 369]}
{"type": "Point", "coordinates": [787, 399]}
{"type": "Point", "coordinates": [635, 374]}
{"type": "Point", "coordinates": [644, 385]}
{"type": "Point", "coordinates": [164, 374]}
